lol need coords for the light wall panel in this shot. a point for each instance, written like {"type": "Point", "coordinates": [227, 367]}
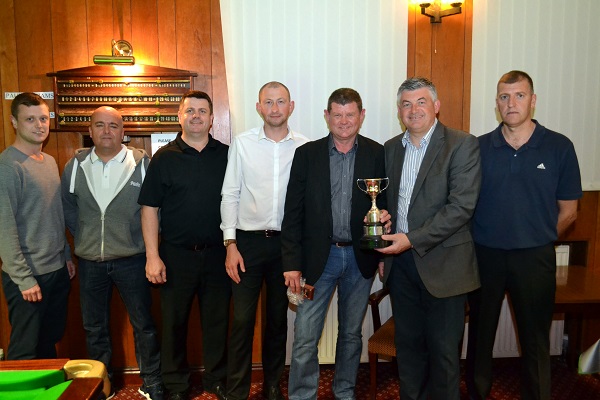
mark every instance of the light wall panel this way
{"type": "Point", "coordinates": [557, 43]}
{"type": "Point", "coordinates": [315, 47]}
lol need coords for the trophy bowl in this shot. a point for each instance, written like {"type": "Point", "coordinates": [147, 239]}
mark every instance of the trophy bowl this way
{"type": "Point", "coordinates": [373, 228]}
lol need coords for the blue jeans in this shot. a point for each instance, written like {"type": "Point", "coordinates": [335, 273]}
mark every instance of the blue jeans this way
{"type": "Point", "coordinates": [342, 271]}
{"type": "Point", "coordinates": [96, 280]}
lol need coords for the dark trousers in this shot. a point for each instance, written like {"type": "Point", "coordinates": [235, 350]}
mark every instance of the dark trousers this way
{"type": "Point", "coordinates": [37, 327]}
{"type": "Point", "coordinates": [529, 277]}
{"type": "Point", "coordinates": [128, 274]}
{"type": "Point", "coordinates": [427, 335]}
{"type": "Point", "coordinates": [262, 260]}
{"type": "Point", "coordinates": [194, 274]}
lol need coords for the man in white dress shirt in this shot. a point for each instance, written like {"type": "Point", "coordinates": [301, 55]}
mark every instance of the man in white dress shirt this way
{"type": "Point", "coordinates": [253, 197]}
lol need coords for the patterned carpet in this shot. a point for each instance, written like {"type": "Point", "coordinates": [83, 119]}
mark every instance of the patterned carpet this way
{"type": "Point", "coordinates": [566, 384]}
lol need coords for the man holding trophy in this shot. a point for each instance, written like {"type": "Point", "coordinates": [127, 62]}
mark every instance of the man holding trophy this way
{"type": "Point", "coordinates": [435, 177]}
{"type": "Point", "coordinates": [321, 234]}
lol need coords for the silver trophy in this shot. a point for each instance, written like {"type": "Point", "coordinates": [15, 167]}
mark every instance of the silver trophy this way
{"type": "Point", "coordinates": [373, 228]}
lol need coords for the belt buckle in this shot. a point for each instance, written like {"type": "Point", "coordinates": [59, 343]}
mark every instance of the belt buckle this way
{"type": "Point", "coordinates": [269, 233]}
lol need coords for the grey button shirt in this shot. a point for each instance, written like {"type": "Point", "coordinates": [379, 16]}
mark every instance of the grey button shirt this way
{"type": "Point", "coordinates": [341, 169]}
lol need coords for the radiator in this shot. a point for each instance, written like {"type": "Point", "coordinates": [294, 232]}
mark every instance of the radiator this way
{"type": "Point", "coordinates": [329, 337]}
{"type": "Point", "coordinates": [506, 344]}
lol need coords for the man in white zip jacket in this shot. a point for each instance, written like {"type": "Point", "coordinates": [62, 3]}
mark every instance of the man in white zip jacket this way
{"type": "Point", "coordinates": [100, 189]}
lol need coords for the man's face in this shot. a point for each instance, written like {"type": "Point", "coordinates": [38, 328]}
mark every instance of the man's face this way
{"type": "Point", "coordinates": [515, 102]}
{"type": "Point", "coordinates": [195, 117]}
{"type": "Point", "coordinates": [32, 124]}
{"type": "Point", "coordinates": [344, 121]}
{"type": "Point", "coordinates": [417, 110]}
{"type": "Point", "coordinates": [274, 106]}
{"type": "Point", "coordinates": [106, 130]}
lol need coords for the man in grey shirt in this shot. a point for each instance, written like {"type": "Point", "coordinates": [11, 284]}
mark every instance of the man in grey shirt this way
{"type": "Point", "coordinates": [35, 277]}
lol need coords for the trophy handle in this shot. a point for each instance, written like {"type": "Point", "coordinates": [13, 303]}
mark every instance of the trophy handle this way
{"type": "Point", "coordinates": [387, 183]}
{"type": "Point", "coordinates": [358, 182]}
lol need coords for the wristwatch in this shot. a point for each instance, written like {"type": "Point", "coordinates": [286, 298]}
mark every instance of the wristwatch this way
{"type": "Point", "coordinates": [227, 242]}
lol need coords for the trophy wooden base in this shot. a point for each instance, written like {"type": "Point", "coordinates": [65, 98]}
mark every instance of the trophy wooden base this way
{"type": "Point", "coordinates": [370, 242]}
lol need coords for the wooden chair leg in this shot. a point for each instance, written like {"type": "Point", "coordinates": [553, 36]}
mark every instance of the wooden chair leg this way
{"type": "Point", "coordinates": [373, 368]}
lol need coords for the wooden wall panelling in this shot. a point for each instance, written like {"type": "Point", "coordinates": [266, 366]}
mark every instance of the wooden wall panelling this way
{"type": "Point", "coordinates": [9, 76]}
{"type": "Point", "coordinates": [193, 40]}
{"type": "Point", "coordinates": [167, 33]}
{"type": "Point", "coordinates": [144, 31]}
{"type": "Point", "coordinates": [69, 34]}
{"type": "Point", "coordinates": [221, 123]}
{"type": "Point", "coordinates": [438, 52]}
{"type": "Point", "coordinates": [122, 20]}
{"type": "Point", "coordinates": [99, 25]}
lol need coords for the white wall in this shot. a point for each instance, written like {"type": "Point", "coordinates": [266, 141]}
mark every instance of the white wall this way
{"type": "Point", "coordinates": [557, 43]}
{"type": "Point", "coordinates": [315, 47]}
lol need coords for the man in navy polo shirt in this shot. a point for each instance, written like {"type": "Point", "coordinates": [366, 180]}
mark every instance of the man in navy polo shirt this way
{"type": "Point", "coordinates": [530, 186]}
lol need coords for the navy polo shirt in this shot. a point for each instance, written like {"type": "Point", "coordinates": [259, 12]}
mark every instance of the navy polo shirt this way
{"type": "Point", "coordinates": [186, 185]}
{"type": "Point", "coordinates": [517, 205]}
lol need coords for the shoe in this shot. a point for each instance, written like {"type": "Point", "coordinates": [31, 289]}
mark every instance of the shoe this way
{"type": "Point", "coordinates": [154, 392]}
{"type": "Point", "coordinates": [178, 396]}
{"type": "Point", "coordinates": [219, 391]}
{"type": "Point", "coordinates": [273, 393]}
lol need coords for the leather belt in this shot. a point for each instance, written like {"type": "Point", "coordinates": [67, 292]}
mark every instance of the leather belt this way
{"type": "Point", "coordinates": [341, 244]}
{"type": "Point", "coordinates": [198, 247]}
{"type": "Point", "coordinates": [266, 233]}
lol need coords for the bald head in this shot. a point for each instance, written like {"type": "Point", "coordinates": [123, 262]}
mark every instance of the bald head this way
{"type": "Point", "coordinates": [106, 131]}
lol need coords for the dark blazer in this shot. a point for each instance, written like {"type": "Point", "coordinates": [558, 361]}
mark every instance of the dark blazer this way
{"type": "Point", "coordinates": [441, 207]}
{"type": "Point", "coordinates": [307, 227]}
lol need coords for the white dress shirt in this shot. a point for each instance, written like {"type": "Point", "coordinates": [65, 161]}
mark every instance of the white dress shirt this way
{"type": "Point", "coordinates": [255, 184]}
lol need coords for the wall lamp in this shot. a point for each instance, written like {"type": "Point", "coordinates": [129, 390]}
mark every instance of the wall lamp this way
{"type": "Point", "coordinates": [122, 54]}
{"type": "Point", "coordinates": [435, 13]}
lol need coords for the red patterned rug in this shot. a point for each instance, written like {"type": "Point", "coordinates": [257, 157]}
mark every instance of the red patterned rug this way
{"type": "Point", "coordinates": [566, 384]}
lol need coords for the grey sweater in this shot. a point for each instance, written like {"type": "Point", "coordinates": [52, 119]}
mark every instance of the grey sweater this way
{"type": "Point", "coordinates": [117, 232]}
{"type": "Point", "coordinates": [32, 227]}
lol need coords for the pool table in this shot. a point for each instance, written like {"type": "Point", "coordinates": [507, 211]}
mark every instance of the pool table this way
{"type": "Point", "coordinates": [56, 379]}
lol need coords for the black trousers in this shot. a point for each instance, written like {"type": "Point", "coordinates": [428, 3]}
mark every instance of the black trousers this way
{"type": "Point", "coordinates": [262, 260]}
{"type": "Point", "coordinates": [427, 335]}
{"type": "Point", "coordinates": [202, 275]}
{"type": "Point", "coordinates": [529, 277]}
{"type": "Point", "coordinates": [37, 327]}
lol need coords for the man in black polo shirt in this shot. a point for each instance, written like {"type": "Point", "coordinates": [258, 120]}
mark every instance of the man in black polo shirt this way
{"type": "Point", "coordinates": [184, 183]}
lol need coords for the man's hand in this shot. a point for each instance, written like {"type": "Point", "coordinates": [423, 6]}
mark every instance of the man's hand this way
{"type": "Point", "coordinates": [156, 272]}
{"type": "Point", "coordinates": [33, 294]}
{"type": "Point", "coordinates": [292, 280]}
{"type": "Point", "coordinates": [386, 220]}
{"type": "Point", "coordinates": [400, 244]}
{"type": "Point", "coordinates": [233, 259]}
{"type": "Point", "coordinates": [71, 269]}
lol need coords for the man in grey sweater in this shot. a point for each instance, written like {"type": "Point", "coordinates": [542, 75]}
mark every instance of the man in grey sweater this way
{"type": "Point", "coordinates": [35, 277]}
{"type": "Point", "coordinates": [100, 189]}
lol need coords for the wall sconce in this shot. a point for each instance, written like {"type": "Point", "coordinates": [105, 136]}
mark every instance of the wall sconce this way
{"type": "Point", "coordinates": [122, 54]}
{"type": "Point", "coordinates": [435, 13]}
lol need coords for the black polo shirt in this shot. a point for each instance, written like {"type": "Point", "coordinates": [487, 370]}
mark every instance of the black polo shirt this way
{"type": "Point", "coordinates": [186, 185]}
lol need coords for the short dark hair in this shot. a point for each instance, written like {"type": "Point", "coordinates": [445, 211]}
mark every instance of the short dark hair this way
{"type": "Point", "coordinates": [197, 94]}
{"type": "Point", "coordinates": [27, 99]}
{"type": "Point", "coordinates": [274, 85]}
{"type": "Point", "coordinates": [344, 96]}
{"type": "Point", "coordinates": [515, 76]}
{"type": "Point", "coordinates": [415, 83]}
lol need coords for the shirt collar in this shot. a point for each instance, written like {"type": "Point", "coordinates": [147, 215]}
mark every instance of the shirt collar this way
{"type": "Point", "coordinates": [534, 141]}
{"type": "Point", "coordinates": [262, 135]}
{"type": "Point", "coordinates": [120, 157]}
{"type": "Point", "coordinates": [333, 149]}
{"type": "Point", "coordinates": [424, 140]}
